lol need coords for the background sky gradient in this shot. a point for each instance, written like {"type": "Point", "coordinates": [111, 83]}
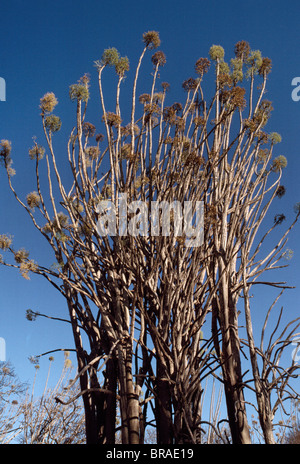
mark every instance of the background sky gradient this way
{"type": "Point", "coordinates": [48, 45]}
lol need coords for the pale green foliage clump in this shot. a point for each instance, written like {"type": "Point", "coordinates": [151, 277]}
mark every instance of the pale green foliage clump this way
{"type": "Point", "coordinates": [80, 91]}
{"type": "Point", "coordinates": [216, 52]}
{"type": "Point", "coordinates": [48, 102]}
{"type": "Point", "coordinates": [224, 68]}
{"type": "Point", "coordinates": [53, 123]}
{"type": "Point", "coordinates": [275, 137]}
{"type": "Point", "coordinates": [237, 69]}
{"type": "Point", "coordinates": [254, 62]}
{"type": "Point", "coordinates": [110, 57]}
{"type": "Point", "coordinates": [122, 65]}
{"type": "Point", "coordinates": [279, 163]}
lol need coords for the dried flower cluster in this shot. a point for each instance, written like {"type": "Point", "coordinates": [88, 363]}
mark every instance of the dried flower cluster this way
{"type": "Point", "coordinates": [151, 39]}
{"type": "Point", "coordinates": [33, 200]}
{"type": "Point", "coordinates": [48, 102]}
{"type": "Point", "coordinates": [36, 152]}
{"type": "Point", "coordinates": [5, 242]}
{"type": "Point", "coordinates": [53, 123]}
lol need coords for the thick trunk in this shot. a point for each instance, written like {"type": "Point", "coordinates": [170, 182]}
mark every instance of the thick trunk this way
{"type": "Point", "coordinates": [100, 408]}
{"type": "Point", "coordinates": [231, 364]}
{"type": "Point", "coordinates": [132, 409]}
{"type": "Point", "coordinates": [106, 412]}
{"type": "Point", "coordinates": [267, 427]}
{"type": "Point", "coordinates": [182, 433]}
{"type": "Point", "coordinates": [232, 374]}
{"type": "Point", "coordinates": [165, 434]}
{"type": "Point", "coordinates": [265, 419]}
{"type": "Point", "coordinates": [263, 400]}
{"type": "Point", "coordinates": [133, 417]}
{"type": "Point", "coordinates": [129, 401]}
{"type": "Point", "coordinates": [90, 428]}
{"type": "Point", "coordinates": [236, 412]}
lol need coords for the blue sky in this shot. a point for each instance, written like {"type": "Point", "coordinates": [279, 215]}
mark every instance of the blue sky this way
{"type": "Point", "coordinates": [48, 45]}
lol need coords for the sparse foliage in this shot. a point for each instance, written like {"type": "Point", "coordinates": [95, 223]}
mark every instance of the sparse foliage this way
{"type": "Point", "coordinates": [158, 315]}
{"type": "Point", "coordinates": [11, 391]}
{"type": "Point", "coordinates": [45, 419]}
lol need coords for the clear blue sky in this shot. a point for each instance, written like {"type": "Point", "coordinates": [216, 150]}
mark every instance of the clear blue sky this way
{"type": "Point", "coordinates": [48, 45]}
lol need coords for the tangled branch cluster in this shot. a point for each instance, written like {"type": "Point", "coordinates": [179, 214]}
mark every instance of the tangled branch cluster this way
{"type": "Point", "coordinates": [159, 315]}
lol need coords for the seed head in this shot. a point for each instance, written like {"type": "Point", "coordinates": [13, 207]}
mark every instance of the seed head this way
{"type": "Point", "coordinates": [53, 123]}
{"type": "Point", "coordinates": [202, 66]}
{"type": "Point", "coordinates": [159, 58]}
{"type": "Point", "coordinates": [36, 152]}
{"type": "Point", "coordinates": [151, 39]}
{"type": "Point", "coordinates": [265, 67]}
{"type": "Point", "coordinates": [48, 102]}
{"type": "Point", "coordinates": [242, 50]}
{"type": "Point", "coordinates": [122, 65]}
{"type": "Point", "coordinates": [5, 242]}
{"type": "Point", "coordinates": [88, 129]}
{"type": "Point", "coordinates": [110, 57]}
{"type": "Point", "coordinates": [33, 200]}
{"type": "Point", "coordinates": [279, 163]}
